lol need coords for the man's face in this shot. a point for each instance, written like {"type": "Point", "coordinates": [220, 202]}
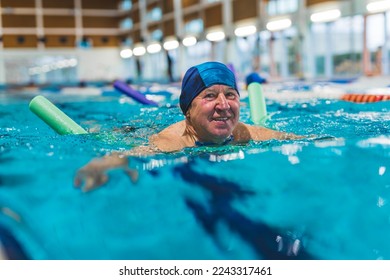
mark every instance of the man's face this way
{"type": "Point", "coordinates": [214, 113]}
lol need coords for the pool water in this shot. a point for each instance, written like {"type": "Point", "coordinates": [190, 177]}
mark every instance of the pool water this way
{"type": "Point", "coordinates": [322, 197]}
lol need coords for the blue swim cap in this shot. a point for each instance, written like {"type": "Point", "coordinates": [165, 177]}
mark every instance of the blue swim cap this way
{"type": "Point", "coordinates": [202, 76]}
{"type": "Point", "coordinates": [254, 78]}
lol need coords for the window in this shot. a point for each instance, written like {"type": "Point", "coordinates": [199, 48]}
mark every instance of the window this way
{"type": "Point", "coordinates": [156, 35]}
{"type": "Point", "coordinates": [126, 23]}
{"type": "Point", "coordinates": [279, 7]}
{"type": "Point", "coordinates": [126, 5]}
{"type": "Point", "coordinates": [194, 26]}
{"type": "Point", "coordinates": [154, 14]}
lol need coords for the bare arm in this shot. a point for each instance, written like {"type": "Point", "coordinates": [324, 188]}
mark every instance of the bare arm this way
{"type": "Point", "coordinates": [245, 132]}
{"type": "Point", "coordinates": [259, 133]}
{"type": "Point", "coordinates": [94, 173]}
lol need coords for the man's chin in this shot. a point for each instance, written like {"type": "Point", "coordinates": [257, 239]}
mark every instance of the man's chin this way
{"type": "Point", "coordinates": [222, 135]}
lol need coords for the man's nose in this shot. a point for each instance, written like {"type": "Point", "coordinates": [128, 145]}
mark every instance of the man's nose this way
{"type": "Point", "coordinates": [222, 102]}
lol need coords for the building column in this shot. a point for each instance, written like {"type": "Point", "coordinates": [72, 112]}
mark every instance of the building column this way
{"type": "Point", "coordinates": [352, 36]}
{"type": "Point", "coordinates": [351, 41]}
{"type": "Point", "coordinates": [39, 21]}
{"type": "Point", "coordinates": [144, 61]}
{"type": "Point", "coordinates": [260, 23]}
{"type": "Point", "coordinates": [2, 67]}
{"type": "Point", "coordinates": [143, 22]}
{"type": "Point", "coordinates": [329, 51]}
{"type": "Point", "coordinates": [227, 20]}
{"type": "Point", "coordinates": [301, 55]}
{"type": "Point", "coordinates": [366, 54]}
{"type": "Point", "coordinates": [179, 31]}
{"type": "Point", "coordinates": [385, 49]}
{"type": "Point", "coordinates": [78, 17]}
{"type": "Point", "coordinates": [273, 71]}
{"type": "Point", "coordinates": [311, 70]}
{"type": "Point", "coordinates": [284, 55]}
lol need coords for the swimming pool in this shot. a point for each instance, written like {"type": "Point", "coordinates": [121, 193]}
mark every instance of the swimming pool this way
{"type": "Point", "coordinates": [316, 198]}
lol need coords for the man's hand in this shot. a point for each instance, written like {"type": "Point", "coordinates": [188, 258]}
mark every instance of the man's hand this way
{"type": "Point", "coordinates": [94, 174]}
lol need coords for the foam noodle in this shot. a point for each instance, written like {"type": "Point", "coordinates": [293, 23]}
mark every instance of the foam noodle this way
{"type": "Point", "coordinates": [257, 104]}
{"type": "Point", "coordinates": [129, 91]}
{"type": "Point", "coordinates": [54, 117]}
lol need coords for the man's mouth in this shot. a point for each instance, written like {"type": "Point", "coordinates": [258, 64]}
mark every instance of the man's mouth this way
{"type": "Point", "coordinates": [221, 119]}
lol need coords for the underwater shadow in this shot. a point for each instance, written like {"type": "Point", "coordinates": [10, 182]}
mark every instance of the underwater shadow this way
{"type": "Point", "coordinates": [10, 246]}
{"type": "Point", "coordinates": [268, 242]}
{"type": "Point", "coordinates": [14, 180]}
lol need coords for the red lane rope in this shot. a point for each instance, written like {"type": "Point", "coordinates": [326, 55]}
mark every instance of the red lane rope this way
{"type": "Point", "coordinates": [364, 98]}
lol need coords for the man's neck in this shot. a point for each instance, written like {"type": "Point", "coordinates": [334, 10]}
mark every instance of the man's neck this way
{"type": "Point", "coordinates": [193, 138]}
{"type": "Point", "coordinates": [190, 134]}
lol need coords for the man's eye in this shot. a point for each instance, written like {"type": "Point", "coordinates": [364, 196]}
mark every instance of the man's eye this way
{"type": "Point", "coordinates": [230, 95]}
{"type": "Point", "coordinates": [209, 96]}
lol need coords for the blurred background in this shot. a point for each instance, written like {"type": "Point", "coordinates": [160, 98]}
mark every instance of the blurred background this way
{"type": "Point", "coordinates": [88, 41]}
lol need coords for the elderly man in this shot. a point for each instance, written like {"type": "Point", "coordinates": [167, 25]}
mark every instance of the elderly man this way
{"type": "Point", "coordinates": [210, 102]}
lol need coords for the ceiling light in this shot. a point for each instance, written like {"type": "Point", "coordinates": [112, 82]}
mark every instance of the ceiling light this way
{"type": "Point", "coordinates": [189, 41]}
{"type": "Point", "coordinates": [378, 6]}
{"type": "Point", "coordinates": [126, 53]}
{"type": "Point", "coordinates": [154, 48]}
{"type": "Point", "coordinates": [279, 24]}
{"type": "Point", "coordinates": [325, 16]}
{"type": "Point", "coordinates": [215, 36]}
{"type": "Point", "coordinates": [139, 51]}
{"type": "Point", "coordinates": [245, 30]}
{"type": "Point", "coordinates": [171, 45]}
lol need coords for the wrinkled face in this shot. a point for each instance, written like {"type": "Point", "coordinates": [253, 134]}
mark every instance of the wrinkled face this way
{"type": "Point", "coordinates": [214, 113]}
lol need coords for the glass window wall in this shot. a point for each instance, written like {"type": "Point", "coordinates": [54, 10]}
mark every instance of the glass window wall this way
{"type": "Point", "coordinates": [375, 42]}
{"type": "Point", "coordinates": [347, 46]}
{"type": "Point", "coordinates": [280, 7]}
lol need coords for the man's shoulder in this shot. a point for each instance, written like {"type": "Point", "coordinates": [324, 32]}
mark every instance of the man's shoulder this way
{"type": "Point", "coordinates": [176, 128]}
{"type": "Point", "coordinates": [169, 139]}
{"type": "Point", "coordinates": [241, 133]}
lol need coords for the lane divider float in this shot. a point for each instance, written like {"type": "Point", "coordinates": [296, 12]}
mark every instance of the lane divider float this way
{"type": "Point", "coordinates": [364, 98]}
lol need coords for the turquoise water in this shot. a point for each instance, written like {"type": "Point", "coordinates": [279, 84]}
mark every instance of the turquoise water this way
{"type": "Point", "coordinates": [324, 197]}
